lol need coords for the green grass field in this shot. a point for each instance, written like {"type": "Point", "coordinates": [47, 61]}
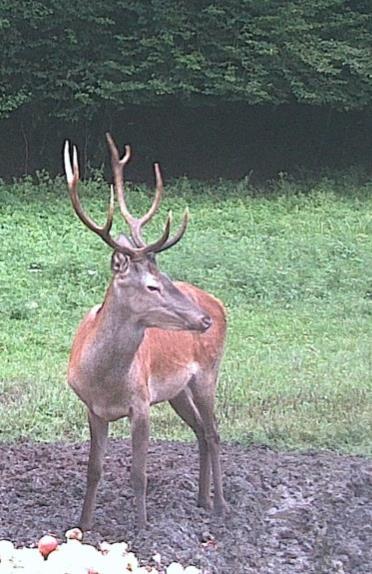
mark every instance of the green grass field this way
{"type": "Point", "coordinates": [292, 263]}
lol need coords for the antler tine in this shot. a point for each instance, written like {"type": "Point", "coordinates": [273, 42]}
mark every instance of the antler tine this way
{"type": "Point", "coordinates": [158, 195]}
{"type": "Point", "coordinates": [156, 247]}
{"type": "Point", "coordinates": [138, 223]}
{"type": "Point", "coordinates": [118, 165]}
{"type": "Point", "coordinates": [67, 165]}
{"type": "Point", "coordinates": [181, 230]}
{"type": "Point", "coordinates": [72, 176]}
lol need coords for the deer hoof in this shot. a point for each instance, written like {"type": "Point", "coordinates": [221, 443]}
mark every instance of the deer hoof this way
{"type": "Point", "coordinates": [221, 508]}
{"type": "Point", "coordinates": [85, 525]}
{"type": "Point", "coordinates": [141, 522]}
{"type": "Point", "coordinates": [205, 503]}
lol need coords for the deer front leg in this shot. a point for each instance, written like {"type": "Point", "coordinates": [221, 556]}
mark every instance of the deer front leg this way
{"type": "Point", "coordinates": [98, 439]}
{"type": "Point", "coordinates": [140, 430]}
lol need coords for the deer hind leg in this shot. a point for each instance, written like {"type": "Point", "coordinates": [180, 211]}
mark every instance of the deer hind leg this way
{"type": "Point", "coordinates": [184, 406]}
{"type": "Point", "coordinates": [98, 439]}
{"type": "Point", "coordinates": [140, 431]}
{"type": "Point", "coordinates": [203, 393]}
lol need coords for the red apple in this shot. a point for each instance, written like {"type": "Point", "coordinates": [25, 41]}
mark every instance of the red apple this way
{"type": "Point", "coordinates": [47, 544]}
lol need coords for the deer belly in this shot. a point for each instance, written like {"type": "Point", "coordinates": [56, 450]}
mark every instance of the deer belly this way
{"type": "Point", "coordinates": [165, 388]}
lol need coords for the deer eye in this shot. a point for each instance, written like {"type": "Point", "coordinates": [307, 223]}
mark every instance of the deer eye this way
{"type": "Point", "coordinates": [153, 288]}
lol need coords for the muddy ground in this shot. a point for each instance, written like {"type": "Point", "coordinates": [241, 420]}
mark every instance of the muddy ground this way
{"type": "Point", "coordinates": [290, 513]}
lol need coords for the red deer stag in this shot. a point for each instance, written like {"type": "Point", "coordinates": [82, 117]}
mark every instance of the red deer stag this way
{"type": "Point", "coordinates": [120, 367]}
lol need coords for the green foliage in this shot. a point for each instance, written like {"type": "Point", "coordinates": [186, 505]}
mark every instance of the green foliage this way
{"type": "Point", "coordinates": [292, 264]}
{"type": "Point", "coordinates": [108, 54]}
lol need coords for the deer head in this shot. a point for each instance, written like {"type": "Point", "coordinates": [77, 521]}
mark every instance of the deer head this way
{"type": "Point", "coordinates": [140, 291]}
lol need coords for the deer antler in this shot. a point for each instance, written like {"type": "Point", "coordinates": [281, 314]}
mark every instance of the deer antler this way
{"type": "Point", "coordinates": [135, 224]}
{"type": "Point", "coordinates": [72, 176]}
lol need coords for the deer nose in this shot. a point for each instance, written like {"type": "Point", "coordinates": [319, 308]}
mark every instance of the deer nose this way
{"type": "Point", "coordinates": [206, 322]}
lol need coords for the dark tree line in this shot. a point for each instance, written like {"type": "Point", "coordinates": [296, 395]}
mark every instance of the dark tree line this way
{"type": "Point", "coordinates": [66, 63]}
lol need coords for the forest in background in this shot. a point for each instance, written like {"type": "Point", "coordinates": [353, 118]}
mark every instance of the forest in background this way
{"type": "Point", "coordinates": [211, 89]}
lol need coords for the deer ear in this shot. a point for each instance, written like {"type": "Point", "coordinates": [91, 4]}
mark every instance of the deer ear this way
{"type": "Point", "coordinates": [119, 263]}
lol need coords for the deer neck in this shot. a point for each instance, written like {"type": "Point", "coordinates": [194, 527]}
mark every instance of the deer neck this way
{"type": "Point", "coordinates": [119, 333]}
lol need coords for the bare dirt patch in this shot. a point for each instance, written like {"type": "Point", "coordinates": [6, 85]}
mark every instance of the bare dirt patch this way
{"type": "Point", "coordinates": [290, 512]}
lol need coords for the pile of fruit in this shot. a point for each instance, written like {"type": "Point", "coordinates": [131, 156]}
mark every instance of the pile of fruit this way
{"type": "Point", "coordinates": [75, 557]}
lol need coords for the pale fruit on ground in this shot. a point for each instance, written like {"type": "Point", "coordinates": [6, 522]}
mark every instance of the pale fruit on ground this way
{"type": "Point", "coordinates": [73, 557]}
{"type": "Point", "coordinates": [74, 534]}
{"type": "Point", "coordinates": [175, 568]}
{"type": "Point", "coordinates": [6, 549]}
